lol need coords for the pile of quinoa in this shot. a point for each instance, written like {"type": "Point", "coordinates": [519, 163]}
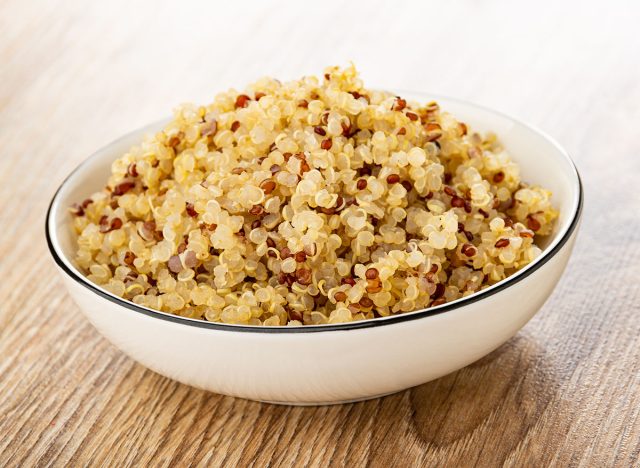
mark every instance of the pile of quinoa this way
{"type": "Point", "coordinates": [310, 202]}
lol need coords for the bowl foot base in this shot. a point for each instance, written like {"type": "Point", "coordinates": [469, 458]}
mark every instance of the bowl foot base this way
{"type": "Point", "coordinates": [327, 403]}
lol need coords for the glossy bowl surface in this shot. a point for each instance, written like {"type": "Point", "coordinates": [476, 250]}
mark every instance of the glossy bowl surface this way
{"type": "Point", "coordinates": [331, 363]}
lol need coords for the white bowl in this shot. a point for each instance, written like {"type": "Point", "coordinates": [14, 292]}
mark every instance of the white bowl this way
{"type": "Point", "coordinates": [330, 363]}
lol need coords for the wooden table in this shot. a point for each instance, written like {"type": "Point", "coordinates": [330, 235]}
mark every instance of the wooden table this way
{"type": "Point", "coordinates": [75, 75]}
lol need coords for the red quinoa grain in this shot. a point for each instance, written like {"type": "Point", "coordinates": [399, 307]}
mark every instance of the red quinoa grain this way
{"type": "Point", "coordinates": [502, 243]}
{"type": "Point", "coordinates": [242, 100]}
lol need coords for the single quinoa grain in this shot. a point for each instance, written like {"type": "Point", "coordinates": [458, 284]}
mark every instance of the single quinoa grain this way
{"type": "Point", "coordinates": [399, 104]}
{"type": "Point", "coordinates": [371, 273]}
{"type": "Point", "coordinates": [366, 303]}
{"type": "Point", "coordinates": [340, 296]}
{"type": "Point", "coordinates": [256, 210]}
{"type": "Point", "coordinates": [533, 223]}
{"type": "Point", "coordinates": [242, 100]}
{"type": "Point", "coordinates": [123, 188]}
{"type": "Point", "coordinates": [469, 250]}
{"type": "Point", "coordinates": [303, 276]}
{"type": "Point", "coordinates": [174, 264]}
{"type": "Point", "coordinates": [76, 209]}
{"type": "Point", "coordinates": [347, 129]}
{"type": "Point", "coordinates": [116, 223]}
{"type": "Point", "coordinates": [393, 179]}
{"type": "Point", "coordinates": [129, 257]}
{"type": "Point", "coordinates": [412, 116]}
{"type": "Point", "coordinates": [349, 281]}
{"type": "Point", "coordinates": [268, 186]}
{"type": "Point", "coordinates": [438, 302]}
{"type": "Point", "coordinates": [457, 202]}
{"type": "Point", "coordinates": [324, 202]}
{"type": "Point", "coordinates": [439, 292]}
{"type": "Point", "coordinates": [132, 170]}
{"type": "Point", "coordinates": [502, 243]}
{"type": "Point", "coordinates": [191, 210]}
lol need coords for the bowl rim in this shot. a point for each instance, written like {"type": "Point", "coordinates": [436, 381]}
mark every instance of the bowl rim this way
{"type": "Point", "coordinates": [556, 245]}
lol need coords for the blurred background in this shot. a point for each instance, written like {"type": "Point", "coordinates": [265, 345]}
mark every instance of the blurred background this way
{"type": "Point", "coordinates": [107, 67]}
{"type": "Point", "coordinates": [74, 75]}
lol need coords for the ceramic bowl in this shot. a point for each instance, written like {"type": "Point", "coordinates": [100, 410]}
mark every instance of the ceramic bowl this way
{"type": "Point", "coordinates": [339, 363]}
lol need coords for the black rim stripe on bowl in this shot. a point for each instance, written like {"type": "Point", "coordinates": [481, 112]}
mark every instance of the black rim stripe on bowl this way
{"type": "Point", "coordinates": [403, 317]}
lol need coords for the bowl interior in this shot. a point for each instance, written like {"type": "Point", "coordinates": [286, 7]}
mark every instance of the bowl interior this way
{"type": "Point", "coordinates": [542, 161]}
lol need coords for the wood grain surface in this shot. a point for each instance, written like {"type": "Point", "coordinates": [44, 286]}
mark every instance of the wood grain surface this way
{"type": "Point", "coordinates": [565, 391]}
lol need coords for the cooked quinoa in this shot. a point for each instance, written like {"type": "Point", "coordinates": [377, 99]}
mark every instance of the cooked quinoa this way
{"type": "Point", "coordinates": [309, 202]}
